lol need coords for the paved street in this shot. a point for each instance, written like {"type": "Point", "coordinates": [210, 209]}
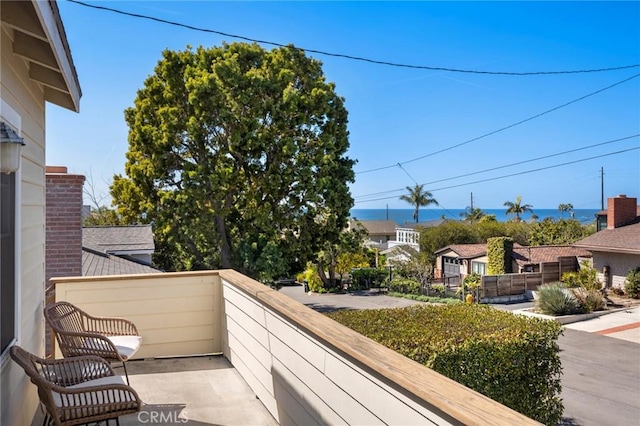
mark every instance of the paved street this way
{"type": "Point", "coordinates": [600, 357]}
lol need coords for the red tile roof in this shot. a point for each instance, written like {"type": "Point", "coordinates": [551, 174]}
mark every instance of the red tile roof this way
{"type": "Point", "coordinates": [466, 250]}
{"type": "Point", "coordinates": [541, 254]}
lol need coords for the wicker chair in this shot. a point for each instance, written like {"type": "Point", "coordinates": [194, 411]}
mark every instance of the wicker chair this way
{"type": "Point", "coordinates": [78, 333]}
{"type": "Point", "coordinates": [77, 390]}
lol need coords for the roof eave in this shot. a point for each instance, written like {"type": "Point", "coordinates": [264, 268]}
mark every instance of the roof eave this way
{"type": "Point", "coordinates": [39, 37]}
{"type": "Point", "coordinates": [609, 249]}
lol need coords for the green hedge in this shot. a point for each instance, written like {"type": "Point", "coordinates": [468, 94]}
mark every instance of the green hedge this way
{"type": "Point", "coordinates": [510, 358]}
{"type": "Point", "coordinates": [499, 255]}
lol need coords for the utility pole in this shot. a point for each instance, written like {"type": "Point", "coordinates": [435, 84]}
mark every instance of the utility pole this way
{"type": "Point", "coordinates": [472, 201]}
{"type": "Point", "coordinates": [601, 188]}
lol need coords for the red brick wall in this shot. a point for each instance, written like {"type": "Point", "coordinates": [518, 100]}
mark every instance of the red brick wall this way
{"type": "Point", "coordinates": [620, 211]}
{"type": "Point", "coordinates": [63, 246]}
{"type": "Point", "coordinates": [63, 238]}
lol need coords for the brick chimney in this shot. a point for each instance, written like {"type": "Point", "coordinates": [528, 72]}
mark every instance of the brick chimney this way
{"type": "Point", "coordinates": [63, 238]}
{"type": "Point", "coordinates": [63, 244]}
{"type": "Point", "coordinates": [621, 211]}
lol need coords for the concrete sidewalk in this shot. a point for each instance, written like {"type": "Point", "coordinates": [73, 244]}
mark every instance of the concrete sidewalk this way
{"type": "Point", "coordinates": [623, 324]}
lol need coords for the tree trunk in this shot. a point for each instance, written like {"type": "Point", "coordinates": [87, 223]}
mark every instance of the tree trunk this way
{"type": "Point", "coordinates": [322, 275]}
{"type": "Point", "coordinates": [225, 247]}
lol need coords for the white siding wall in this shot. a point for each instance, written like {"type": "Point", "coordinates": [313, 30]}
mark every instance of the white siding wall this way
{"type": "Point", "coordinates": [302, 380]}
{"type": "Point", "coordinates": [18, 398]}
{"type": "Point", "coordinates": [619, 264]}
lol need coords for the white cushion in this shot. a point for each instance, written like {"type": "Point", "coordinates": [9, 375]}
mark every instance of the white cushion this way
{"type": "Point", "coordinates": [127, 346]}
{"type": "Point", "coordinates": [89, 398]}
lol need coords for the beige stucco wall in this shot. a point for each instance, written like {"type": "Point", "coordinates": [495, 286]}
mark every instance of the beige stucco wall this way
{"type": "Point", "coordinates": [18, 398]}
{"type": "Point", "coordinates": [619, 264]}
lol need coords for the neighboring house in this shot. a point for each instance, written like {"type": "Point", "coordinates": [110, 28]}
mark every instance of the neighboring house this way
{"type": "Point", "coordinates": [378, 231]}
{"type": "Point", "coordinates": [134, 242]}
{"type": "Point", "coordinates": [616, 249]}
{"type": "Point", "coordinates": [409, 233]}
{"type": "Point", "coordinates": [387, 234]}
{"type": "Point", "coordinates": [460, 260]}
{"type": "Point", "coordinates": [601, 219]}
{"type": "Point", "coordinates": [35, 67]}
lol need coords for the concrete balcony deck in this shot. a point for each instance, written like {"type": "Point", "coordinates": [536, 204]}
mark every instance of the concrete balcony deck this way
{"type": "Point", "coordinates": [280, 363]}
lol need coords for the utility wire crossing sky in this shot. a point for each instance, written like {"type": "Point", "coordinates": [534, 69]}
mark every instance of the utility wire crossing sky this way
{"type": "Point", "coordinates": [399, 108]}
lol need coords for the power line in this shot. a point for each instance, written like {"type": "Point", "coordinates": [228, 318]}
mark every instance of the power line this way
{"type": "Point", "coordinates": [504, 166]}
{"type": "Point", "coordinates": [355, 58]}
{"type": "Point", "coordinates": [515, 174]}
{"type": "Point", "coordinates": [422, 157]}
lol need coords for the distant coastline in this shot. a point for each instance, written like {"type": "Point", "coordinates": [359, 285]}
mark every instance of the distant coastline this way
{"type": "Point", "coordinates": [401, 216]}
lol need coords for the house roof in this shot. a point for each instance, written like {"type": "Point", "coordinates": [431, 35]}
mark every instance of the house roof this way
{"type": "Point", "coordinates": [541, 254]}
{"type": "Point", "coordinates": [521, 254]}
{"type": "Point", "coordinates": [625, 239]}
{"type": "Point", "coordinates": [375, 227]}
{"type": "Point", "coordinates": [95, 263]}
{"type": "Point", "coordinates": [119, 239]}
{"type": "Point", "coordinates": [466, 251]}
{"type": "Point", "coordinates": [39, 37]}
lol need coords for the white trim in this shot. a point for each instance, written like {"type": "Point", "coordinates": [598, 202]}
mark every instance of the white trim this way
{"type": "Point", "coordinates": [50, 27]}
{"type": "Point", "coordinates": [11, 117]}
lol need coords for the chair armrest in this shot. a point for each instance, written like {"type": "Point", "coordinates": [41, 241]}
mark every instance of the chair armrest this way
{"type": "Point", "coordinates": [111, 326]}
{"type": "Point", "coordinates": [95, 400]}
{"type": "Point", "coordinates": [76, 370]}
{"type": "Point", "coordinates": [78, 343]}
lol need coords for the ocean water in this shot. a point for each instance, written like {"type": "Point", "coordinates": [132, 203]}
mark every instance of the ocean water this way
{"type": "Point", "coordinates": [585, 216]}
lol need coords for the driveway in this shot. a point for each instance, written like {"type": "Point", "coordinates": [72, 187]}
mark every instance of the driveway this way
{"type": "Point", "coordinates": [601, 368]}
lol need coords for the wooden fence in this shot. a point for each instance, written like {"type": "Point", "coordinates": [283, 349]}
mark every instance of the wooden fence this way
{"type": "Point", "coordinates": [515, 284]}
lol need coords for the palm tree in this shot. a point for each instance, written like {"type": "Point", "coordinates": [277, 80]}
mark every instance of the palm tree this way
{"type": "Point", "coordinates": [418, 197]}
{"type": "Point", "coordinates": [473, 215]}
{"type": "Point", "coordinates": [565, 208]}
{"type": "Point", "coordinates": [518, 208]}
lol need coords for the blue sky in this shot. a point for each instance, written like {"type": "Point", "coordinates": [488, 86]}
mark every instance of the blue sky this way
{"type": "Point", "coordinates": [399, 114]}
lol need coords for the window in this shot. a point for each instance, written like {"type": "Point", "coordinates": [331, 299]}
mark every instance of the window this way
{"type": "Point", "coordinates": [7, 259]}
{"type": "Point", "coordinates": [479, 268]}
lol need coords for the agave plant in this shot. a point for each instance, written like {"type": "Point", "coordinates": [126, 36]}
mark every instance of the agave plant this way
{"type": "Point", "coordinates": [556, 299]}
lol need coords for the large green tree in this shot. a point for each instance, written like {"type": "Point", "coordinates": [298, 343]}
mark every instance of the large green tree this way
{"type": "Point", "coordinates": [418, 197]}
{"type": "Point", "coordinates": [237, 157]}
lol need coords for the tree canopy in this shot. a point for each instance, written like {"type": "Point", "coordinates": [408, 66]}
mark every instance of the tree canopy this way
{"type": "Point", "coordinates": [418, 197]}
{"type": "Point", "coordinates": [237, 157]}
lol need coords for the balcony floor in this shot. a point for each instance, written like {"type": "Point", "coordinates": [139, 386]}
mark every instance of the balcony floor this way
{"type": "Point", "coordinates": [200, 390]}
{"type": "Point", "coordinates": [203, 390]}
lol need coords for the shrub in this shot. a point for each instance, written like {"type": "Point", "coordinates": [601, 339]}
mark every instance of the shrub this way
{"type": "Point", "coordinates": [310, 275]}
{"type": "Point", "coordinates": [423, 298]}
{"type": "Point", "coordinates": [438, 288]}
{"type": "Point", "coordinates": [404, 285]}
{"type": "Point", "coordinates": [589, 300]}
{"type": "Point", "coordinates": [586, 277]}
{"type": "Point", "coordinates": [368, 277]}
{"type": "Point", "coordinates": [557, 299]}
{"type": "Point", "coordinates": [632, 283]}
{"type": "Point", "coordinates": [512, 359]}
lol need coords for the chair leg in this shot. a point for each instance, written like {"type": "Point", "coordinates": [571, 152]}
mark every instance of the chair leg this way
{"type": "Point", "coordinates": [124, 365]}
